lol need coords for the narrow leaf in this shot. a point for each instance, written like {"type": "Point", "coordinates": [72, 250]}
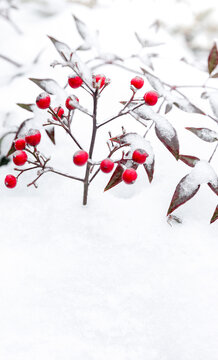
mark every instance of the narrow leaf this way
{"type": "Point", "coordinates": [204, 134]}
{"type": "Point", "coordinates": [11, 150]}
{"type": "Point", "coordinates": [4, 160]}
{"type": "Point", "coordinates": [189, 160]}
{"type": "Point", "coordinates": [28, 107]}
{"type": "Point", "coordinates": [116, 177]}
{"type": "Point", "coordinates": [182, 194]}
{"type": "Point", "coordinates": [155, 82]}
{"type": "Point", "coordinates": [213, 58]}
{"type": "Point", "coordinates": [48, 85]}
{"type": "Point", "coordinates": [215, 215]}
{"type": "Point", "coordinates": [62, 48]}
{"type": "Point", "coordinates": [149, 168]}
{"type": "Point", "coordinates": [51, 134]}
{"type": "Point", "coordinates": [214, 187]}
{"type": "Point", "coordinates": [185, 105]}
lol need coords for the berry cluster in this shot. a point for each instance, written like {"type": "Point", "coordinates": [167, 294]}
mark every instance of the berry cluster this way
{"type": "Point", "coordinates": [28, 143]}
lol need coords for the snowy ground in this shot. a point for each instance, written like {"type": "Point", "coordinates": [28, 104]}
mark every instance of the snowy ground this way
{"type": "Point", "coordinates": [111, 280]}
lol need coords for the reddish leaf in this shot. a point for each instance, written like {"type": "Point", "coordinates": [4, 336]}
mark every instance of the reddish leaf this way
{"type": "Point", "coordinates": [214, 188]}
{"type": "Point", "coordinates": [51, 134]}
{"type": "Point", "coordinates": [189, 160]}
{"type": "Point", "coordinates": [171, 142]}
{"type": "Point", "coordinates": [215, 215]}
{"type": "Point", "coordinates": [149, 168]}
{"type": "Point", "coordinates": [204, 134]}
{"type": "Point", "coordinates": [182, 194]}
{"type": "Point", "coordinates": [116, 177]}
{"type": "Point", "coordinates": [213, 58]}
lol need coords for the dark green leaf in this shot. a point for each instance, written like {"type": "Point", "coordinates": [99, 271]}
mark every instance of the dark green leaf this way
{"type": "Point", "coordinates": [215, 215]}
{"type": "Point", "coordinates": [51, 133]}
{"type": "Point", "coordinates": [116, 177]}
{"type": "Point", "coordinates": [28, 107]}
{"type": "Point", "coordinates": [213, 58]}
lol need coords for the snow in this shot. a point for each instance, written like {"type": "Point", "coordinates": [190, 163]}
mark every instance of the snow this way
{"type": "Point", "coordinates": [111, 280]}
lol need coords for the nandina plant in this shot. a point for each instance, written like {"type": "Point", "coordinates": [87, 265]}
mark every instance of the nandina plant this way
{"type": "Point", "coordinates": [136, 149]}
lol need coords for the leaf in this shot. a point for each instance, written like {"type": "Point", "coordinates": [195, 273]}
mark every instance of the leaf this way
{"type": "Point", "coordinates": [185, 105]}
{"type": "Point", "coordinates": [48, 85]}
{"type": "Point", "coordinates": [4, 160]}
{"type": "Point", "coordinates": [62, 48]}
{"type": "Point", "coordinates": [213, 100]}
{"type": "Point", "coordinates": [164, 130]}
{"type": "Point", "coordinates": [90, 37]}
{"type": "Point", "coordinates": [214, 73]}
{"type": "Point", "coordinates": [170, 141]}
{"type": "Point", "coordinates": [155, 82]}
{"type": "Point", "coordinates": [168, 108]}
{"type": "Point", "coordinates": [213, 58]}
{"type": "Point", "coordinates": [214, 187]}
{"type": "Point", "coordinates": [189, 160]}
{"type": "Point", "coordinates": [204, 134]}
{"type": "Point", "coordinates": [28, 107]}
{"type": "Point", "coordinates": [215, 215]}
{"type": "Point", "coordinates": [182, 194]}
{"type": "Point", "coordinates": [51, 133]}
{"type": "Point", "coordinates": [149, 168]}
{"type": "Point", "coordinates": [116, 177]}
{"type": "Point", "coordinates": [11, 150]}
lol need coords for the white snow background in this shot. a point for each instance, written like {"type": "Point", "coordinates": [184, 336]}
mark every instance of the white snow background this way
{"type": "Point", "coordinates": [111, 280]}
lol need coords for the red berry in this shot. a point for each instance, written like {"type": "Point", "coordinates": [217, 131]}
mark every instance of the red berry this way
{"type": "Point", "coordinates": [129, 176]}
{"type": "Point", "coordinates": [20, 144]}
{"type": "Point", "coordinates": [33, 137]}
{"type": "Point", "coordinates": [59, 111]}
{"type": "Point", "coordinates": [68, 104]}
{"type": "Point", "coordinates": [139, 156]}
{"type": "Point", "coordinates": [106, 166]}
{"type": "Point", "coordinates": [19, 157]}
{"type": "Point", "coordinates": [43, 100]}
{"type": "Point", "coordinates": [151, 98]}
{"type": "Point", "coordinates": [99, 80]}
{"type": "Point", "coordinates": [80, 158]}
{"type": "Point", "coordinates": [137, 82]}
{"type": "Point", "coordinates": [10, 181]}
{"type": "Point", "coordinates": [75, 81]}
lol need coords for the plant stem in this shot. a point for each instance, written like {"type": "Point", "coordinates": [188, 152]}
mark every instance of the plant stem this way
{"type": "Point", "coordinates": [91, 148]}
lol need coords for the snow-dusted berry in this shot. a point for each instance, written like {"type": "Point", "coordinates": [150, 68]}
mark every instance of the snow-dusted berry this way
{"type": "Point", "coordinates": [99, 81]}
{"type": "Point", "coordinates": [19, 157]}
{"type": "Point", "coordinates": [20, 144]}
{"type": "Point", "coordinates": [80, 158]}
{"type": "Point", "coordinates": [43, 100]}
{"type": "Point", "coordinates": [151, 98]}
{"type": "Point", "coordinates": [137, 82]}
{"type": "Point", "coordinates": [68, 103]}
{"type": "Point", "coordinates": [107, 165]}
{"type": "Point", "coordinates": [75, 81]}
{"type": "Point", "coordinates": [129, 176]}
{"type": "Point", "coordinates": [59, 111]}
{"type": "Point", "coordinates": [33, 137]}
{"type": "Point", "coordinates": [10, 181]}
{"type": "Point", "coordinates": [139, 156]}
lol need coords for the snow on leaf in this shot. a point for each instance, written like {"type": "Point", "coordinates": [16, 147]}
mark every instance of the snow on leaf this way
{"type": "Point", "coordinates": [204, 134]}
{"type": "Point", "coordinates": [190, 184]}
{"type": "Point", "coordinates": [189, 160]}
{"type": "Point", "coordinates": [168, 108]}
{"type": "Point", "coordinates": [51, 133]}
{"type": "Point", "coordinates": [155, 82]}
{"type": "Point", "coordinates": [214, 73]}
{"type": "Point", "coordinates": [149, 168]}
{"type": "Point", "coordinates": [116, 177]}
{"type": "Point", "coordinates": [213, 100]}
{"type": "Point", "coordinates": [214, 187]}
{"type": "Point", "coordinates": [164, 130]}
{"type": "Point", "coordinates": [183, 193]}
{"type": "Point", "coordinates": [90, 37]}
{"type": "Point", "coordinates": [185, 105]}
{"type": "Point", "coordinates": [48, 85]}
{"type": "Point", "coordinates": [62, 48]}
{"type": "Point", "coordinates": [213, 58]}
{"type": "Point", "coordinates": [215, 215]}
{"type": "Point", "coordinates": [28, 107]}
